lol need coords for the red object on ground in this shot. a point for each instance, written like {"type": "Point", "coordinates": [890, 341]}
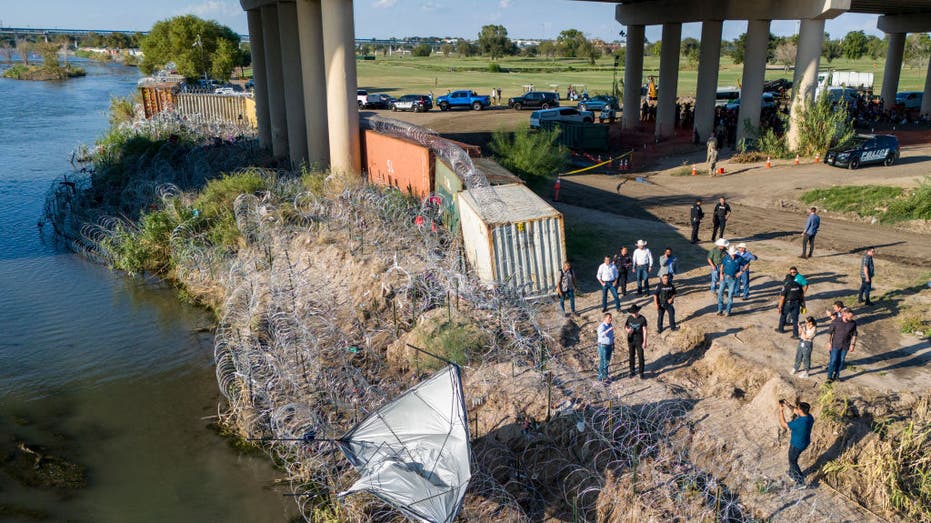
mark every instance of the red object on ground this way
{"type": "Point", "coordinates": [720, 170]}
{"type": "Point", "coordinates": [694, 170]}
{"type": "Point", "coordinates": [418, 221]}
{"type": "Point", "coordinates": [796, 159]}
{"type": "Point", "coordinates": [769, 162]}
{"type": "Point", "coordinates": [556, 189]}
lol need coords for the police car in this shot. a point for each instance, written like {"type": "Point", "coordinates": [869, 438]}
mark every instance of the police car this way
{"type": "Point", "coordinates": [865, 149]}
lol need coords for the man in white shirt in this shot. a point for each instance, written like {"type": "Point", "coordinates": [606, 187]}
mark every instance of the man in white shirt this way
{"type": "Point", "coordinates": [607, 277]}
{"type": "Point", "coordinates": [643, 264]}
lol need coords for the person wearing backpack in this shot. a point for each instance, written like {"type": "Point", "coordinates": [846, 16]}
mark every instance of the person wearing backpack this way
{"type": "Point", "coordinates": [791, 301]}
{"type": "Point", "coordinates": [566, 288]}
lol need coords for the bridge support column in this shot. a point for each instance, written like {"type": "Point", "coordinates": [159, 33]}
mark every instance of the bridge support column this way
{"type": "Point", "coordinates": [343, 113]}
{"type": "Point", "coordinates": [310, 26]}
{"type": "Point", "coordinates": [256, 39]}
{"type": "Point", "coordinates": [894, 56]}
{"type": "Point", "coordinates": [668, 80]}
{"type": "Point", "coordinates": [751, 90]}
{"type": "Point", "coordinates": [926, 98]}
{"type": "Point", "coordinates": [277, 111]}
{"type": "Point", "coordinates": [633, 76]}
{"type": "Point", "coordinates": [293, 83]}
{"type": "Point", "coordinates": [805, 81]}
{"type": "Point", "coordinates": [709, 61]}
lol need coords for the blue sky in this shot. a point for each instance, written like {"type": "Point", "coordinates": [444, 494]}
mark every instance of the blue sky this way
{"type": "Point", "coordinates": [384, 18]}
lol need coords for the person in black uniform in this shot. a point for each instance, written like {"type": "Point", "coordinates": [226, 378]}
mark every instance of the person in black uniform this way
{"type": "Point", "coordinates": [624, 263]}
{"type": "Point", "coordinates": [664, 298]}
{"type": "Point", "coordinates": [696, 216]}
{"type": "Point", "coordinates": [791, 301]}
{"type": "Point", "coordinates": [722, 211]}
{"type": "Point", "coordinates": [636, 326]}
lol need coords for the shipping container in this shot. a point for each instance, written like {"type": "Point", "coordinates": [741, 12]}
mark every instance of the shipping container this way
{"type": "Point", "coordinates": [512, 237]}
{"type": "Point", "coordinates": [448, 185]}
{"type": "Point", "coordinates": [581, 136]}
{"type": "Point", "coordinates": [398, 163]}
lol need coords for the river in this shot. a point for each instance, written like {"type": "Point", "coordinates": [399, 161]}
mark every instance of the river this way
{"type": "Point", "coordinates": [107, 371]}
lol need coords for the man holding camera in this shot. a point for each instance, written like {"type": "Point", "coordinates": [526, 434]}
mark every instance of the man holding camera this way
{"type": "Point", "coordinates": [800, 430]}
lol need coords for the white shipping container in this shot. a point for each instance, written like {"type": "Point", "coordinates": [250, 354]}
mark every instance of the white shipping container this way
{"type": "Point", "coordinates": [512, 237]}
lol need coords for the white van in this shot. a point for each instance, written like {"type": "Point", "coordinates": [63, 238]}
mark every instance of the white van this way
{"type": "Point", "coordinates": [560, 114]}
{"type": "Point", "coordinates": [726, 95]}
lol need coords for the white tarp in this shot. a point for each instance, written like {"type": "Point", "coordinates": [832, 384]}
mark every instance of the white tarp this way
{"type": "Point", "coordinates": [414, 451]}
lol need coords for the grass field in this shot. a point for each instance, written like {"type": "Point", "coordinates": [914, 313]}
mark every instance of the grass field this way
{"type": "Point", "coordinates": [401, 75]}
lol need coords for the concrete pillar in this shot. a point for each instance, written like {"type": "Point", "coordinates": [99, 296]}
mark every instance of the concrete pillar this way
{"type": "Point", "coordinates": [926, 99]}
{"type": "Point", "coordinates": [257, 43]}
{"type": "Point", "coordinates": [668, 80]}
{"type": "Point", "coordinates": [893, 68]}
{"type": "Point", "coordinates": [293, 83]}
{"type": "Point", "coordinates": [277, 112]}
{"type": "Point", "coordinates": [310, 28]}
{"type": "Point", "coordinates": [751, 89]}
{"type": "Point", "coordinates": [709, 62]}
{"type": "Point", "coordinates": [633, 76]}
{"type": "Point", "coordinates": [340, 63]}
{"type": "Point", "coordinates": [805, 83]}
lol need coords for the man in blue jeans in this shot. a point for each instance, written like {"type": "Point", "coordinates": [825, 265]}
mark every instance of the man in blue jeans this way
{"type": "Point", "coordinates": [715, 255]}
{"type": "Point", "coordinates": [800, 430]}
{"type": "Point", "coordinates": [605, 347]}
{"type": "Point", "coordinates": [607, 277]}
{"type": "Point", "coordinates": [743, 285]}
{"type": "Point", "coordinates": [730, 270]}
{"type": "Point", "coordinates": [842, 338]}
{"type": "Point", "coordinates": [866, 276]}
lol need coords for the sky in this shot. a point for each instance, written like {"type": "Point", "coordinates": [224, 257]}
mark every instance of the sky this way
{"type": "Point", "coordinates": [530, 19]}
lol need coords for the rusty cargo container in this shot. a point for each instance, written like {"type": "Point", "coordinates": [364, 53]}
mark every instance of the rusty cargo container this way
{"type": "Point", "coordinates": [448, 185]}
{"type": "Point", "coordinates": [512, 237]}
{"type": "Point", "coordinates": [398, 163]}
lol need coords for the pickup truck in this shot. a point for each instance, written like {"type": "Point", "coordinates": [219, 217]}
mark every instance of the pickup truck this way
{"type": "Point", "coordinates": [465, 99]}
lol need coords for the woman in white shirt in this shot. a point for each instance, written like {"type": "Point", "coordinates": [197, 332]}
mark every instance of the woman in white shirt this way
{"type": "Point", "coordinates": [806, 334]}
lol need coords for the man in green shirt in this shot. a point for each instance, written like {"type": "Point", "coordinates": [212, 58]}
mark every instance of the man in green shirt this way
{"type": "Point", "coordinates": [715, 256]}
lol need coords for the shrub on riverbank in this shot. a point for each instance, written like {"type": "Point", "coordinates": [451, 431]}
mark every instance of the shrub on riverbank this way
{"type": "Point", "coordinates": [530, 153]}
{"type": "Point", "coordinates": [886, 204]}
{"type": "Point", "coordinates": [42, 72]}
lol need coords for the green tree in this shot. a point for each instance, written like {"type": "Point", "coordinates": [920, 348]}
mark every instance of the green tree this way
{"type": "Point", "coordinates": [656, 48]}
{"type": "Point", "coordinates": [588, 50]}
{"type": "Point", "coordinates": [738, 49]}
{"type": "Point", "coordinates": [464, 48]}
{"type": "Point", "coordinates": [225, 58]}
{"type": "Point", "coordinates": [875, 47]}
{"type": "Point", "coordinates": [191, 43]}
{"type": "Point", "coordinates": [917, 49]}
{"type": "Point", "coordinates": [49, 53]}
{"type": "Point", "coordinates": [493, 41]}
{"type": "Point", "coordinates": [854, 45]}
{"type": "Point", "coordinates": [569, 43]}
{"type": "Point", "coordinates": [831, 50]}
{"type": "Point", "coordinates": [446, 49]}
{"type": "Point", "coordinates": [548, 48]}
{"type": "Point", "coordinates": [421, 50]}
{"type": "Point", "coordinates": [690, 50]}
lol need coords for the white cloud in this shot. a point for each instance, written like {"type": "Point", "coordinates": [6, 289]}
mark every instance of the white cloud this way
{"type": "Point", "coordinates": [504, 4]}
{"type": "Point", "coordinates": [384, 3]}
{"type": "Point", "coordinates": [214, 9]}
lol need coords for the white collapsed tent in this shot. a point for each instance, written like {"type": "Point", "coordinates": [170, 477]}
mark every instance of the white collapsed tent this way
{"type": "Point", "coordinates": [414, 452]}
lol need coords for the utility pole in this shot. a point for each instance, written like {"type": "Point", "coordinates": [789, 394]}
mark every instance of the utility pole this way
{"type": "Point", "coordinates": [203, 60]}
{"type": "Point", "coordinates": [617, 59]}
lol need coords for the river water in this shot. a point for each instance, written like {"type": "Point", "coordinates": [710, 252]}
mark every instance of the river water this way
{"type": "Point", "coordinates": [110, 372]}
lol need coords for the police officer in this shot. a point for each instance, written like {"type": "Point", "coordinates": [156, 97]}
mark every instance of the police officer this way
{"type": "Point", "coordinates": [722, 211]}
{"type": "Point", "coordinates": [791, 301]}
{"type": "Point", "coordinates": [696, 217]}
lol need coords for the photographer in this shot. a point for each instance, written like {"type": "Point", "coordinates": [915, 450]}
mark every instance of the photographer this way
{"type": "Point", "coordinates": [800, 430]}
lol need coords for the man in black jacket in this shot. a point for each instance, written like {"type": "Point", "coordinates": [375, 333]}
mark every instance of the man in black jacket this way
{"type": "Point", "coordinates": [722, 211]}
{"type": "Point", "coordinates": [696, 216]}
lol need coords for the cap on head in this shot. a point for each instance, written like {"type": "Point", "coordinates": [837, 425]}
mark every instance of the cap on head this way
{"type": "Point", "coordinates": [741, 245]}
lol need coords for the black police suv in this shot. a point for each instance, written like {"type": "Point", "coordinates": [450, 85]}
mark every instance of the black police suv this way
{"type": "Point", "coordinates": [865, 149]}
{"type": "Point", "coordinates": [534, 100]}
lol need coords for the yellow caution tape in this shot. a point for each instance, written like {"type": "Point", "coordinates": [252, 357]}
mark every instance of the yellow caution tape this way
{"type": "Point", "coordinates": [582, 170]}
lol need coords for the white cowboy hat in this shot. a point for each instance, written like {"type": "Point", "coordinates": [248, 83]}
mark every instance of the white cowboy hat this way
{"type": "Point", "coordinates": [741, 245]}
{"type": "Point", "coordinates": [641, 243]}
{"type": "Point", "coordinates": [721, 242]}
{"type": "Point", "coordinates": [732, 251]}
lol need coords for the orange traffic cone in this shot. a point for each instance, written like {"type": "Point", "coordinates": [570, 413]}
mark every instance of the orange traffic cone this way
{"type": "Point", "coordinates": [769, 162]}
{"type": "Point", "coordinates": [817, 158]}
{"type": "Point", "coordinates": [796, 159]}
{"type": "Point", "coordinates": [556, 188]}
{"type": "Point", "coordinates": [694, 170]}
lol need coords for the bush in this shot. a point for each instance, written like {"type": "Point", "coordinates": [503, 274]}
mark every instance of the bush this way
{"type": "Point", "coordinates": [143, 248]}
{"type": "Point", "coordinates": [822, 126]}
{"type": "Point", "coordinates": [495, 67]}
{"type": "Point", "coordinates": [888, 204]}
{"type": "Point", "coordinates": [530, 154]}
{"type": "Point", "coordinates": [215, 205]}
{"type": "Point", "coordinates": [122, 109]}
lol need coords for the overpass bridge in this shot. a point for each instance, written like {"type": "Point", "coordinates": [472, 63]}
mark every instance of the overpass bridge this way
{"type": "Point", "coordinates": [305, 70]}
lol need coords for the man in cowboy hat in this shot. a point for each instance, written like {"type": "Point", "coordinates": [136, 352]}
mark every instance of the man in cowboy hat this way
{"type": "Point", "coordinates": [730, 272]}
{"type": "Point", "coordinates": [636, 326]}
{"type": "Point", "coordinates": [643, 264]}
{"type": "Point", "coordinates": [715, 256]}
{"type": "Point", "coordinates": [743, 285]}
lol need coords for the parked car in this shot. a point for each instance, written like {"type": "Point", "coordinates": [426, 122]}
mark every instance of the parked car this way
{"type": "Point", "coordinates": [865, 149]}
{"type": "Point", "coordinates": [909, 99]}
{"type": "Point", "coordinates": [726, 95]}
{"type": "Point", "coordinates": [463, 99]}
{"type": "Point", "coordinates": [250, 85]}
{"type": "Point", "coordinates": [597, 103]}
{"type": "Point", "coordinates": [413, 102]}
{"type": "Point", "coordinates": [377, 101]}
{"type": "Point", "coordinates": [768, 102]}
{"type": "Point", "coordinates": [560, 114]}
{"type": "Point", "coordinates": [361, 96]}
{"type": "Point", "coordinates": [224, 90]}
{"type": "Point", "coordinates": [534, 100]}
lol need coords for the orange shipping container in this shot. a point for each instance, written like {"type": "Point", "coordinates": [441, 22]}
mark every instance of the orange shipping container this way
{"type": "Point", "coordinates": [399, 163]}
